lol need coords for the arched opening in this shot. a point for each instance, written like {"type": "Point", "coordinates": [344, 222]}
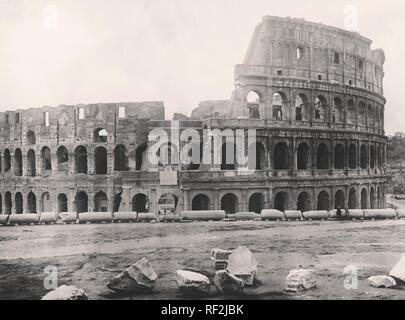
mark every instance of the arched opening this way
{"type": "Point", "coordinates": [31, 163]}
{"type": "Point", "coordinates": [372, 157]}
{"type": "Point", "coordinates": [100, 202]}
{"type": "Point", "coordinates": [168, 154]}
{"type": "Point", "coordinates": [362, 114]}
{"type": "Point", "coordinates": [301, 108]}
{"type": "Point", "coordinates": [352, 199]}
{"type": "Point", "coordinates": [100, 135]}
{"type": "Point", "coordinates": [257, 157]}
{"type": "Point", "coordinates": [229, 203]}
{"type": "Point", "coordinates": [8, 204]}
{"type": "Point", "coordinates": [323, 201]}
{"type": "Point", "coordinates": [256, 203]}
{"type": "Point", "coordinates": [63, 158]}
{"type": "Point", "coordinates": [281, 158]}
{"type": "Point", "coordinates": [139, 156]}
{"type": "Point", "coordinates": [303, 157]}
{"type": "Point", "coordinates": [200, 202]}
{"type": "Point", "coordinates": [7, 160]}
{"type": "Point", "coordinates": [120, 158]}
{"type": "Point", "coordinates": [81, 159]}
{"type": "Point", "coordinates": [352, 156]}
{"type": "Point", "coordinates": [370, 116]}
{"type": "Point", "coordinates": [167, 204]}
{"type": "Point", "coordinates": [339, 156]}
{"type": "Point", "coordinates": [31, 137]}
{"type": "Point", "coordinates": [337, 113]}
{"type": "Point", "coordinates": [100, 160]}
{"type": "Point", "coordinates": [47, 204]}
{"type": "Point", "coordinates": [379, 160]}
{"type": "Point", "coordinates": [46, 159]}
{"type": "Point", "coordinates": [253, 104]}
{"type": "Point", "coordinates": [322, 157]}
{"type": "Point", "coordinates": [18, 203]}
{"type": "Point", "coordinates": [140, 203]}
{"type": "Point", "coordinates": [279, 106]}
{"type": "Point", "coordinates": [18, 165]}
{"type": "Point", "coordinates": [195, 158]}
{"type": "Point", "coordinates": [351, 113]}
{"type": "Point", "coordinates": [81, 202]}
{"type": "Point", "coordinates": [372, 198]}
{"type": "Point", "coordinates": [31, 203]}
{"type": "Point", "coordinates": [363, 157]}
{"type": "Point", "coordinates": [62, 203]}
{"type": "Point", "coordinates": [363, 200]}
{"type": "Point", "coordinates": [340, 200]}
{"type": "Point", "coordinates": [304, 202]}
{"type": "Point", "coordinates": [228, 156]}
{"type": "Point", "coordinates": [281, 201]}
{"type": "Point", "coordinates": [320, 109]}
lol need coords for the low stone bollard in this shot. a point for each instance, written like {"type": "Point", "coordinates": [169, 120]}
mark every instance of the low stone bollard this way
{"type": "Point", "coordinates": [206, 215]}
{"type": "Point", "coordinates": [3, 219]}
{"type": "Point", "coordinates": [48, 217]}
{"type": "Point", "coordinates": [66, 293]}
{"type": "Point", "coordinates": [26, 218]}
{"type": "Point", "coordinates": [316, 215]}
{"type": "Point", "coordinates": [293, 215]}
{"type": "Point", "coordinates": [68, 217]}
{"type": "Point", "coordinates": [355, 213]}
{"type": "Point", "coordinates": [125, 216]}
{"type": "Point", "coordinates": [95, 217]}
{"type": "Point", "coordinates": [272, 214]}
{"type": "Point", "coordinates": [380, 214]}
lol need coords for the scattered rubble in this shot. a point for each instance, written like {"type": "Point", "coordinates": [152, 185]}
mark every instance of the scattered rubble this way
{"type": "Point", "coordinates": [220, 258]}
{"type": "Point", "coordinates": [382, 281]}
{"type": "Point", "coordinates": [299, 280]}
{"type": "Point", "coordinates": [65, 293]}
{"type": "Point", "coordinates": [226, 282]}
{"type": "Point", "coordinates": [243, 264]}
{"type": "Point", "coordinates": [140, 276]}
{"type": "Point", "coordinates": [192, 283]}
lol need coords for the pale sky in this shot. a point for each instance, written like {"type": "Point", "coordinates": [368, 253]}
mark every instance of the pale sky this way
{"type": "Point", "coordinates": [180, 52]}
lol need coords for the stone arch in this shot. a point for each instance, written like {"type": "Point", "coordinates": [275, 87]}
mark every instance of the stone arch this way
{"type": "Point", "coordinates": [372, 157]}
{"type": "Point", "coordinates": [257, 156]}
{"type": "Point", "coordinates": [373, 199]}
{"type": "Point", "coordinates": [62, 203]}
{"type": "Point", "coordinates": [168, 154]}
{"type": "Point", "coordinates": [302, 110]}
{"type": "Point", "coordinates": [352, 199]}
{"type": "Point", "coordinates": [281, 156]}
{"type": "Point", "coordinates": [281, 201]}
{"type": "Point", "coordinates": [46, 159]}
{"type": "Point", "coordinates": [363, 198]}
{"type": "Point", "coordinates": [228, 156]}
{"type": "Point", "coordinates": [62, 156]}
{"type": "Point", "coordinates": [351, 112]}
{"type": "Point", "coordinates": [167, 203]}
{"type": "Point", "coordinates": [140, 203]}
{"type": "Point", "coordinates": [303, 158]}
{"type": "Point", "coordinates": [31, 203]}
{"type": "Point", "coordinates": [18, 203]}
{"type": "Point", "coordinates": [321, 109]}
{"type": "Point", "coordinates": [18, 162]}
{"type": "Point", "coordinates": [200, 202]}
{"type": "Point", "coordinates": [363, 157]}
{"type": "Point", "coordinates": [304, 202]}
{"type": "Point", "coordinates": [352, 156]}
{"type": "Point", "coordinates": [81, 202]}
{"type": "Point", "coordinates": [339, 156]}
{"type": "Point", "coordinates": [340, 200]}
{"type": "Point", "coordinates": [140, 155]}
{"type": "Point", "coordinates": [229, 203]}
{"type": "Point", "coordinates": [256, 202]}
{"type": "Point", "coordinates": [120, 158]}
{"type": "Point", "coordinates": [31, 163]}
{"type": "Point", "coordinates": [7, 160]}
{"type": "Point", "coordinates": [362, 121]}
{"type": "Point", "coordinates": [8, 203]}
{"type": "Point", "coordinates": [100, 135]}
{"type": "Point", "coordinates": [337, 112]}
{"type": "Point", "coordinates": [100, 202]}
{"type": "Point", "coordinates": [279, 105]}
{"type": "Point", "coordinates": [322, 156]}
{"type": "Point", "coordinates": [31, 139]}
{"type": "Point", "coordinates": [47, 204]}
{"type": "Point", "coordinates": [323, 201]}
{"type": "Point", "coordinates": [81, 159]}
{"type": "Point", "coordinates": [370, 116]}
{"type": "Point", "coordinates": [100, 160]}
{"type": "Point", "coordinates": [254, 100]}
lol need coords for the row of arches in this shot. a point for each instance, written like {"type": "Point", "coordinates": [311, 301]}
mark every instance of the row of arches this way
{"type": "Point", "coordinates": [302, 109]}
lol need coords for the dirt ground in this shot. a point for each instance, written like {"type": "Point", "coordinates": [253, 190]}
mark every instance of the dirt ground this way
{"type": "Point", "coordinates": [89, 255]}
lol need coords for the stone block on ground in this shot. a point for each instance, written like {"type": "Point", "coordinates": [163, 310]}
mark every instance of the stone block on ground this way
{"type": "Point", "coordinates": [68, 216]}
{"type": "Point", "coordinates": [66, 293]}
{"type": "Point", "coordinates": [192, 283]}
{"type": "Point", "coordinates": [206, 215]}
{"type": "Point", "coordinates": [3, 219]}
{"type": "Point", "coordinates": [220, 258]}
{"type": "Point", "coordinates": [382, 281]}
{"type": "Point", "coordinates": [355, 213]}
{"type": "Point", "coordinates": [272, 214]}
{"type": "Point", "coordinates": [139, 276]}
{"type": "Point", "coordinates": [242, 263]}
{"type": "Point", "coordinates": [48, 217]}
{"type": "Point", "coordinates": [26, 218]}
{"type": "Point", "coordinates": [147, 217]}
{"type": "Point", "coordinates": [398, 272]}
{"type": "Point", "coordinates": [226, 282]}
{"type": "Point", "coordinates": [300, 280]}
{"type": "Point", "coordinates": [170, 218]}
{"type": "Point", "coordinates": [293, 214]}
{"type": "Point", "coordinates": [241, 216]}
{"type": "Point", "coordinates": [316, 215]}
{"type": "Point", "coordinates": [380, 214]}
{"type": "Point", "coordinates": [125, 216]}
{"type": "Point", "coordinates": [95, 217]}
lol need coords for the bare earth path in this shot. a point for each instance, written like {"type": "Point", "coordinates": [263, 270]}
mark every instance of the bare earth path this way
{"type": "Point", "coordinates": [89, 255]}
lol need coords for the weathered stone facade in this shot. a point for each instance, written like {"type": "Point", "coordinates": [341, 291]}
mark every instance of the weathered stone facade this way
{"type": "Point", "coordinates": [318, 109]}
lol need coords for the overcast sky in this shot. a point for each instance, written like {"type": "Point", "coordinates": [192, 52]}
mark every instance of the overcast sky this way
{"type": "Point", "coordinates": [177, 51]}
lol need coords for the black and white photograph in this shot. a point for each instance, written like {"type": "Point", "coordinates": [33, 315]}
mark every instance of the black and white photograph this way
{"type": "Point", "coordinates": [202, 150]}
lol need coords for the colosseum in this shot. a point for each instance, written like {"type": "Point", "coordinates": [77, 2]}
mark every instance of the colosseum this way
{"type": "Point", "coordinates": [314, 94]}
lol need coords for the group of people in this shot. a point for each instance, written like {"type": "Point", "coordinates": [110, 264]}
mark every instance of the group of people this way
{"type": "Point", "coordinates": [340, 215]}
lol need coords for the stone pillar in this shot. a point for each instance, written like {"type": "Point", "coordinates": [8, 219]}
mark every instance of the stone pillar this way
{"type": "Point", "coordinates": [217, 204]}
{"type": "Point", "coordinates": [186, 195]}
{"type": "Point", "coordinates": [90, 201]}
